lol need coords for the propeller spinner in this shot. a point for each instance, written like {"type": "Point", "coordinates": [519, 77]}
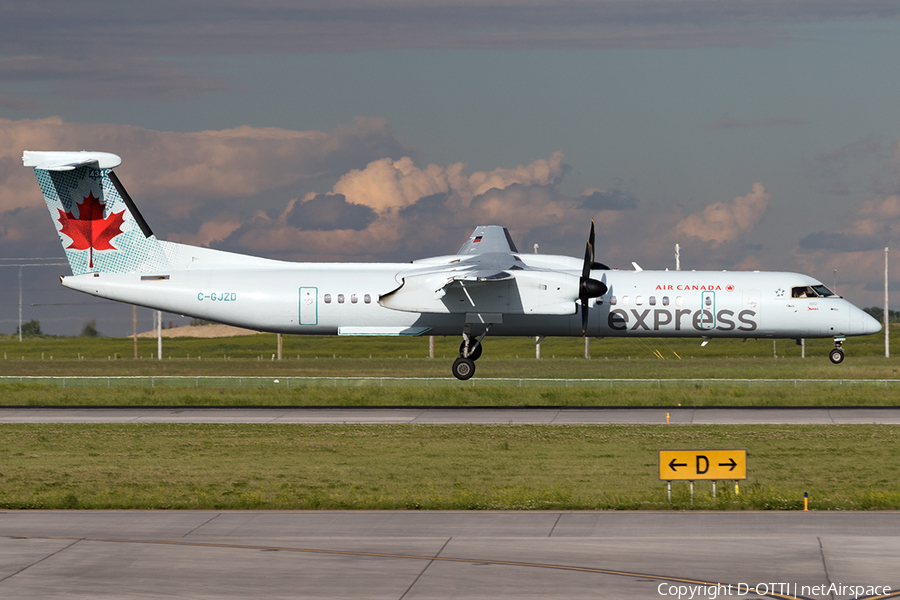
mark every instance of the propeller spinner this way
{"type": "Point", "coordinates": [589, 288]}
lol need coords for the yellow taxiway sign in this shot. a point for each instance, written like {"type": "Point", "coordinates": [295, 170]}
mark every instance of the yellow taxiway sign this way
{"type": "Point", "coordinates": [702, 464]}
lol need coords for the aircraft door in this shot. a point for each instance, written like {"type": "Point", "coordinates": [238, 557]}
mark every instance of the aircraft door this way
{"type": "Point", "coordinates": [309, 310]}
{"type": "Point", "coordinates": [708, 306]}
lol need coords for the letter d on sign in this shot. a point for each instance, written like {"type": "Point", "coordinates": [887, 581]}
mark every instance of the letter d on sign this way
{"type": "Point", "coordinates": [702, 460]}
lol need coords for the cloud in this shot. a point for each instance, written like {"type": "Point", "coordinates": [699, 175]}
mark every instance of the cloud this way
{"type": "Point", "coordinates": [842, 242]}
{"type": "Point", "coordinates": [854, 248]}
{"type": "Point", "coordinates": [739, 123]}
{"type": "Point", "coordinates": [10, 103]}
{"type": "Point", "coordinates": [168, 28]}
{"type": "Point", "coordinates": [720, 222]}
{"type": "Point", "coordinates": [876, 224]}
{"type": "Point", "coordinates": [110, 75]}
{"type": "Point", "coordinates": [611, 200]}
{"type": "Point", "coordinates": [329, 212]}
{"type": "Point", "coordinates": [156, 50]}
{"type": "Point", "coordinates": [184, 170]}
{"type": "Point", "coordinates": [393, 209]}
{"type": "Point", "coordinates": [394, 184]}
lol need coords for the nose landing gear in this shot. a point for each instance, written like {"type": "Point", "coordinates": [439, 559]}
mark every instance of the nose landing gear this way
{"type": "Point", "coordinates": [837, 353]}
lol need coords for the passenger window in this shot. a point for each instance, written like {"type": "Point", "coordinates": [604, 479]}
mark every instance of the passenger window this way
{"type": "Point", "coordinates": [665, 300]}
{"type": "Point", "coordinates": [340, 298]}
{"type": "Point", "coordinates": [613, 300]}
{"type": "Point", "coordinates": [327, 298]}
{"type": "Point", "coordinates": [624, 300]}
{"type": "Point", "coordinates": [353, 298]}
{"type": "Point", "coordinates": [652, 300]}
{"type": "Point", "coordinates": [679, 301]}
{"type": "Point", "coordinates": [367, 299]}
{"type": "Point", "coordinates": [708, 300]}
{"type": "Point", "coordinates": [638, 300]}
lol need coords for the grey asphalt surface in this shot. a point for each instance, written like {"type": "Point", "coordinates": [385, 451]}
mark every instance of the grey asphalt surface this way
{"type": "Point", "coordinates": [545, 416]}
{"type": "Point", "coordinates": [417, 555]}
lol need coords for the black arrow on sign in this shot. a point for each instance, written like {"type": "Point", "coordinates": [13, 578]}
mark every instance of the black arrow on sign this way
{"type": "Point", "coordinates": [674, 464]}
{"type": "Point", "coordinates": [732, 463]}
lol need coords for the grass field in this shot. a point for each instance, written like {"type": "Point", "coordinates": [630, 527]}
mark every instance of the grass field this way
{"type": "Point", "coordinates": [261, 348]}
{"type": "Point", "coordinates": [159, 466]}
{"type": "Point", "coordinates": [403, 357]}
{"type": "Point", "coordinates": [452, 394]}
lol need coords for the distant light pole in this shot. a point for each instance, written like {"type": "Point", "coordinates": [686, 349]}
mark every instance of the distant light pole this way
{"type": "Point", "coordinates": [677, 257]}
{"type": "Point", "coordinates": [887, 322]}
{"type": "Point", "coordinates": [537, 340]}
{"type": "Point", "coordinates": [20, 303]}
{"type": "Point", "coordinates": [159, 335]}
{"type": "Point", "coordinates": [29, 262]}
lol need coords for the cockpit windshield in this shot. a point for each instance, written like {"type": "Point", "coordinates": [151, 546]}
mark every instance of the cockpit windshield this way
{"type": "Point", "coordinates": [811, 291]}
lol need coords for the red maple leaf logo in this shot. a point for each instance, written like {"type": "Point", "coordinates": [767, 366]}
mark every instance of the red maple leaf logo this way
{"type": "Point", "coordinates": [90, 230]}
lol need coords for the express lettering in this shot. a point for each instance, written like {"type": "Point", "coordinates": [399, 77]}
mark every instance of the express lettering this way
{"type": "Point", "coordinates": [700, 320]}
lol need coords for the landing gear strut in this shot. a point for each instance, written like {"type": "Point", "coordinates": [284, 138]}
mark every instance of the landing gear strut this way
{"type": "Point", "coordinates": [469, 352]}
{"type": "Point", "coordinates": [837, 353]}
{"type": "Point", "coordinates": [474, 352]}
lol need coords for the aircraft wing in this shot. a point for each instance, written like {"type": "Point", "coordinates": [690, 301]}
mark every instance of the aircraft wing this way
{"type": "Point", "coordinates": [487, 276]}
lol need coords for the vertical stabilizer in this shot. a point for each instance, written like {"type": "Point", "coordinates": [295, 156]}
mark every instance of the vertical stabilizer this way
{"type": "Point", "coordinates": [99, 227]}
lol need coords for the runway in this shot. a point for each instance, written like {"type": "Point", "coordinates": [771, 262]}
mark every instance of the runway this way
{"type": "Point", "coordinates": [419, 555]}
{"type": "Point", "coordinates": [438, 415]}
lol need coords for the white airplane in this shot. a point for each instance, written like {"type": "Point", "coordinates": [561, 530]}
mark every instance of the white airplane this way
{"type": "Point", "coordinates": [488, 286]}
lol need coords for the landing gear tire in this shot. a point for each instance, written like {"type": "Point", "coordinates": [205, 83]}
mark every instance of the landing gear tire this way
{"type": "Point", "coordinates": [836, 356]}
{"type": "Point", "coordinates": [463, 368]}
{"type": "Point", "coordinates": [473, 354]}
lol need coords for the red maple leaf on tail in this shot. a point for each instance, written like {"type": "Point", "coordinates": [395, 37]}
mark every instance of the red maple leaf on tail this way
{"type": "Point", "coordinates": [90, 230]}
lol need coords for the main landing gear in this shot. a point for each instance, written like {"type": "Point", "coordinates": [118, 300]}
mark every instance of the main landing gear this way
{"type": "Point", "coordinates": [469, 352]}
{"type": "Point", "coordinates": [837, 353]}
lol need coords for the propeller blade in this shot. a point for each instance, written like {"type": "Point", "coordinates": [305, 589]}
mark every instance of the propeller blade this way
{"type": "Point", "coordinates": [588, 254]}
{"type": "Point", "coordinates": [591, 240]}
{"type": "Point", "coordinates": [588, 288]}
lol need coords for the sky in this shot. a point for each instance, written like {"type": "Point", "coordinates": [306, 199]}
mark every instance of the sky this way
{"type": "Point", "coordinates": [758, 135]}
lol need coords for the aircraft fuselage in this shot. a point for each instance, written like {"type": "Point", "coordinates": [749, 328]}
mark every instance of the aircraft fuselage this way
{"type": "Point", "coordinates": [343, 299]}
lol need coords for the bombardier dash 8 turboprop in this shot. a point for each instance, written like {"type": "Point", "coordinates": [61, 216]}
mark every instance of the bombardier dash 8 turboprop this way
{"type": "Point", "coordinates": [488, 286]}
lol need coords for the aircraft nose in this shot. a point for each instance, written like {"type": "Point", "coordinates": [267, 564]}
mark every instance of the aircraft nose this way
{"type": "Point", "coordinates": [869, 324]}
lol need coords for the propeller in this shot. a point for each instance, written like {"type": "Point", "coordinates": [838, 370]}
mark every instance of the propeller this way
{"type": "Point", "coordinates": [589, 288]}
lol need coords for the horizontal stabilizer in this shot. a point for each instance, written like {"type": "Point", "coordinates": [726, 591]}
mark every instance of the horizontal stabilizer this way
{"type": "Point", "coordinates": [68, 161]}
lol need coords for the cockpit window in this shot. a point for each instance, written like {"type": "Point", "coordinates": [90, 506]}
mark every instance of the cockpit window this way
{"type": "Point", "coordinates": [811, 291]}
{"type": "Point", "coordinates": [823, 291]}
